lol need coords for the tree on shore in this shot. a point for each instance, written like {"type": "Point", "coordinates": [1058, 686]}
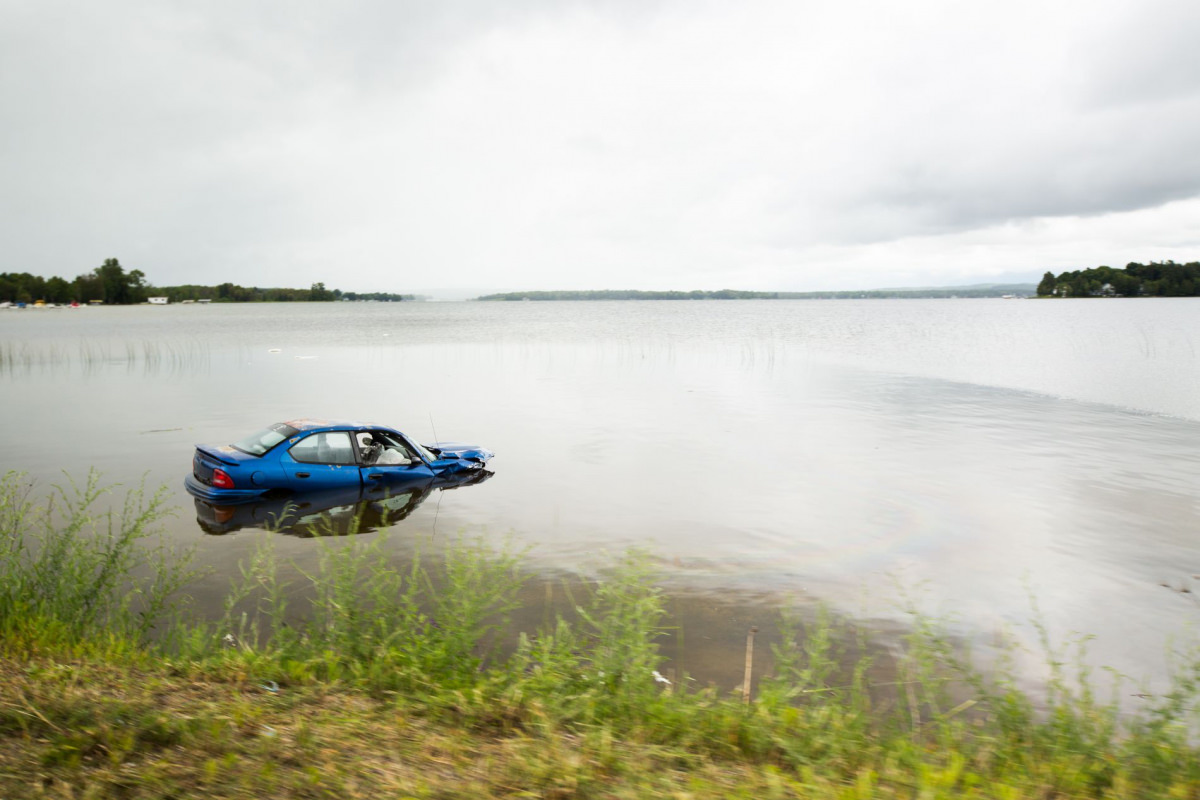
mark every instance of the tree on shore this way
{"type": "Point", "coordinates": [1156, 279]}
{"type": "Point", "coordinates": [1047, 286]}
{"type": "Point", "coordinates": [121, 287]}
{"type": "Point", "coordinates": [110, 283]}
{"type": "Point", "coordinates": [89, 287]}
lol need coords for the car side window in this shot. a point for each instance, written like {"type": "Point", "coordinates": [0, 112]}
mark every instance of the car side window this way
{"type": "Point", "coordinates": [331, 447]}
{"type": "Point", "coordinates": [383, 450]}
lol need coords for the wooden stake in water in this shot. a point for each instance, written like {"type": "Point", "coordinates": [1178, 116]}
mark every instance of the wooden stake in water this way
{"type": "Point", "coordinates": [749, 665]}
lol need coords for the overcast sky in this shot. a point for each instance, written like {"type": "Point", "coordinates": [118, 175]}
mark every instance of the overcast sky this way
{"type": "Point", "coordinates": [461, 147]}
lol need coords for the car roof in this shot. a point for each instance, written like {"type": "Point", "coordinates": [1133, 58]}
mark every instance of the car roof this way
{"type": "Point", "coordinates": [309, 424]}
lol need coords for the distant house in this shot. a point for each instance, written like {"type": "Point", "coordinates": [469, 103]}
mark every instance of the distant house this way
{"type": "Point", "coordinates": [157, 301]}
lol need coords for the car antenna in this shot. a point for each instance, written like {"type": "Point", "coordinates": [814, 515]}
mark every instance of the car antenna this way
{"type": "Point", "coordinates": [437, 512]}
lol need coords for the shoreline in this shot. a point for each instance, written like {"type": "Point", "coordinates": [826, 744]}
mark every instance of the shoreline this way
{"type": "Point", "coordinates": [396, 682]}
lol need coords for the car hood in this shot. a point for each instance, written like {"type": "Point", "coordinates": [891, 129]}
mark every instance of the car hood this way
{"type": "Point", "coordinates": [469, 452]}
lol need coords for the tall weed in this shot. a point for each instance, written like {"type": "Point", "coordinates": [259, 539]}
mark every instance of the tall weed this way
{"type": "Point", "coordinates": [84, 571]}
{"type": "Point", "coordinates": [603, 667]}
{"type": "Point", "coordinates": [431, 625]}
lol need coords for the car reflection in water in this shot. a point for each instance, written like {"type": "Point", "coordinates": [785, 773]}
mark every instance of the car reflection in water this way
{"type": "Point", "coordinates": [333, 512]}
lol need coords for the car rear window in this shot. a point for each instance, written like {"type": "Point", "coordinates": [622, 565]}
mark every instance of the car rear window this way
{"type": "Point", "coordinates": [259, 443]}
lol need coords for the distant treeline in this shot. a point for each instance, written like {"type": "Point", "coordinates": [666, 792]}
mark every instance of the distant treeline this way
{"type": "Point", "coordinates": [232, 293]}
{"type": "Point", "coordinates": [1156, 279]}
{"type": "Point", "coordinates": [108, 283]}
{"type": "Point", "coordinates": [112, 285]}
{"type": "Point", "coordinates": [996, 290]}
{"type": "Point", "coordinates": [986, 290]}
{"type": "Point", "coordinates": [631, 294]}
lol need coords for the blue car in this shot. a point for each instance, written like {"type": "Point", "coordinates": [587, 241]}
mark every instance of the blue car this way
{"type": "Point", "coordinates": [331, 512]}
{"type": "Point", "coordinates": [309, 455]}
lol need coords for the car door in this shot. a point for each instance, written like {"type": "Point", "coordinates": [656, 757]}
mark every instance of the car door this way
{"type": "Point", "coordinates": [403, 467]}
{"type": "Point", "coordinates": [322, 460]}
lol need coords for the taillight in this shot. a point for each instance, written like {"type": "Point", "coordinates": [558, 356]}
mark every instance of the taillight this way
{"type": "Point", "coordinates": [221, 479]}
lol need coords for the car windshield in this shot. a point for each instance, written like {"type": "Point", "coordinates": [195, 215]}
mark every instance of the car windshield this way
{"type": "Point", "coordinates": [259, 443]}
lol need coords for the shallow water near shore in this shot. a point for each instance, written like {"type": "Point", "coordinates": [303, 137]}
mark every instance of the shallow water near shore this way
{"type": "Point", "coordinates": [973, 453]}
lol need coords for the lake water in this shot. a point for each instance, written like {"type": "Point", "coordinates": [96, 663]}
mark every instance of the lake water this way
{"type": "Point", "coordinates": [972, 453]}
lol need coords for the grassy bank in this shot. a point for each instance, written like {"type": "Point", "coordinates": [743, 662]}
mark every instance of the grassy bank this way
{"type": "Point", "coordinates": [361, 680]}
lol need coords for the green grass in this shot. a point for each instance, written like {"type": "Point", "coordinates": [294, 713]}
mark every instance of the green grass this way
{"type": "Point", "coordinates": [358, 679]}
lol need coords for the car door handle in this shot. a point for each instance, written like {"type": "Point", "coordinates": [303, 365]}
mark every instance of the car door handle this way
{"type": "Point", "coordinates": [302, 474]}
{"type": "Point", "coordinates": [374, 476]}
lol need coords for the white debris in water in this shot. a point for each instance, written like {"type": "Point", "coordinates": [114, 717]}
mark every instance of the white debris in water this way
{"type": "Point", "coordinates": [304, 358]}
{"type": "Point", "coordinates": [274, 350]}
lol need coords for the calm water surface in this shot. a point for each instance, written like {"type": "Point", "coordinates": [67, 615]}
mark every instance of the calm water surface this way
{"type": "Point", "coordinates": [972, 453]}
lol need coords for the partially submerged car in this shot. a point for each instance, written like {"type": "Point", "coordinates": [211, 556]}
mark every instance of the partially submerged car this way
{"type": "Point", "coordinates": [309, 455]}
{"type": "Point", "coordinates": [330, 512]}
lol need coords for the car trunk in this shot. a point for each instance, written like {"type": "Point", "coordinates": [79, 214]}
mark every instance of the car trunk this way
{"type": "Point", "coordinates": [236, 464]}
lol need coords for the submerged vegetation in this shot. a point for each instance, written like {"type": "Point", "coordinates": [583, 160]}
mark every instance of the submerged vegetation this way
{"type": "Point", "coordinates": [358, 679]}
{"type": "Point", "coordinates": [91, 354]}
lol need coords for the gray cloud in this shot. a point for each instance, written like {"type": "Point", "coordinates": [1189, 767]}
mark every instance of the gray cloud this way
{"type": "Point", "coordinates": [591, 144]}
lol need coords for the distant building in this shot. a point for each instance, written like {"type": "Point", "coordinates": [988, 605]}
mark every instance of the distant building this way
{"type": "Point", "coordinates": [157, 301]}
